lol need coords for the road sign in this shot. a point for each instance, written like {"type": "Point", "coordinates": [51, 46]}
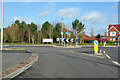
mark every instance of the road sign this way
{"type": "Point", "coordinates": [58, 39]}
{"type": "Point", "coordinates": [67, 40]}
{"type": "Point", "coordinates": [62, 40]}
{"type": "Point", "coordinates": [77, 40]}
{"type": "Point", "coordinates": [103, 39]}
{"type": "Point", "coordinates": [96, 46]}
{"type": "Point", "coordinates": [62, 32]}
{"type": "Point", "coordinates": [96, 42]}
{"type": "Point", "coordinates": [67, 33]}
{"type": "Point", "coordinates": [72, 40]}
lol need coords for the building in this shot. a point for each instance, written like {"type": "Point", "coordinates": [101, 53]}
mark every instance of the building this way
{"type": "Point", "coordinates": [114, 32]}
{"type": "Point", "coordinates": [70, 32]}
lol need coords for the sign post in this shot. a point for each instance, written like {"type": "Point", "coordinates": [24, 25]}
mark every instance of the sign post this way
{"type": "Point", "coordinates": [59, 40]}
{"type": "Point", "coordinates": [112, 40]}
{"type": "Point", "coordinates": [96, 46]}
{"type": "Point", "coordinates": [64, 42]}
{"type": "Point", "coordinates": [67, 33]}
{"type": "Point", "coordinates": [118, 40]}
{"type": "Point", "coordinates": [61, 37]}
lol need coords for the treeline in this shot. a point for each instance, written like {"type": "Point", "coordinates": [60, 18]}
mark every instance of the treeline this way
{"type": "Point", "coordinates": [20, 32]}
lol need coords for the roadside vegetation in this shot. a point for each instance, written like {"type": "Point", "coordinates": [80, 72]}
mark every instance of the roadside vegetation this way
{"type": "Point", "coordinates": [23, 33]}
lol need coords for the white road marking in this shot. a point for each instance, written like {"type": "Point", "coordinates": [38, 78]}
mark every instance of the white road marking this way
{"type": "Point", "coordinates": [104, 52]}
{"type": "Point", "coordinates": [108, 56]}
{"type": "Point", "coordinates": [115, 62]}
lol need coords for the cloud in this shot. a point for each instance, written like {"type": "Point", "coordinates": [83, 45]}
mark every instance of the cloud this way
{"type": "Point", "coordinates": [114, 6]}
{"type": "Point", "coordinates": [28, 21]}
{"type": "Point", "coordinates": [48, 9]}
{"type": "Point", "coordinates": [45, 13]}
{"type": "Point", "coordinates": [93, 17]}
{"type": "Point", "coordinates": [69, 12]}
{"type": "Point", "coordinates": [50, 6]}
{"type": "Point", "coordinates": [96, 20]}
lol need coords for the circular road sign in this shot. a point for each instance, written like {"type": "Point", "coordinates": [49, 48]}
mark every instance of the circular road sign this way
{"type": "Point", "coordinates": [96, 42]}
{"type": "Point", "coordinates": [67, 33]}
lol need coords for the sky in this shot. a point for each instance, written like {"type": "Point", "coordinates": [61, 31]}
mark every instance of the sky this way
{"type": "Point", "coordinates": [97, 15]}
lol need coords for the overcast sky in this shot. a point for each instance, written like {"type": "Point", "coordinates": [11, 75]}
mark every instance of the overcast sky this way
{"type": "Point", "coordinates": [97, 15]}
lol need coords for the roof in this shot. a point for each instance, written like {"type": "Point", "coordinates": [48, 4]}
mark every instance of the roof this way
{"type": "Point", "coordinates": [68, 30]}
{"type": "Point", "coordinates": [86, 37]}
{"type": "Point", "coordinates": [116, 26]}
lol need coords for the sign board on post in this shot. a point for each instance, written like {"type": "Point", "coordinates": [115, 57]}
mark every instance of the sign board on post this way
{"type": "Point", "coordinates": [77, 40]}
{"type": "Point", "coordinates": [96, 46]}
{"type": "Point", "coordinates": [48, 40]}
{"type": "Point", "coordinates": [62, 39]}
{"type": "Point", "coordinates": [58, 39]}
{"type": "Point", "coordinates": [62, 32]}
{"type": "Point", "coordinates": [103, 38]}
{"type": "Point", "coordinates": [67, 33]}
{"type": "Point", "coordinates": [72, 40]}
{"type": "Point", "coordinates": [67, 40]}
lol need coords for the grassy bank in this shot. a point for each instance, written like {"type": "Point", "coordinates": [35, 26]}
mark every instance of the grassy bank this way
{"type": "Point", "coordinates": [13, 49]}
{"type": "Point", "coordinates": [108, 44]}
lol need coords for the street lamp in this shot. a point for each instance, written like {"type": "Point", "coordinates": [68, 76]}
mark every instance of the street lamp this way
{"type": "Point", "coordinates": [2, 28]}
{"type": "Point", "coordinates": [62, 32]}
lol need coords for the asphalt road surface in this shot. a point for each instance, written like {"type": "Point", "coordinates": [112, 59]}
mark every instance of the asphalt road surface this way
{"type": "Point", "coordinates": [12, 58]}
{"type": "Point", "coordinates": [69, 63]}
{"type": "Point", "coordinates": [113, 52]}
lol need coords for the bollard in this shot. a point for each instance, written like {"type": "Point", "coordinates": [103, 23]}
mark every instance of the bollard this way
{"type": "Point", "coordinates": [64, 43]}
{"type": "Point", "coordinates": [96, 46]}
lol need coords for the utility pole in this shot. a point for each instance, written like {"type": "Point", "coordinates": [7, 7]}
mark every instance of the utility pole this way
{"type": "Point", "coordinates": [2, 28]}
{"type": "Point", "coordinates": [76, 38]}
{"type": "Point", "coordinates": [62, 32]}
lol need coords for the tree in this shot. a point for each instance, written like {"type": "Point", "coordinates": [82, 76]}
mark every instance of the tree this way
{"type": "Point", "coordinates": [47, 30]}
{"type": "Point", "coordinates": [92, 33]}
{"type": "Point", "coordinates": [77, 27]}
{"type": "Point", "coordinates": [57, 31]}
{"type": "Point", "coordinates": [29, 32]}
{"type": "Point", "coordinates": [6, 35]}
{"type": "Point", "coordinates": [81, 36]}
{"type": "Point", "coordinates": [33, 30]}
{"type": "Point", "coordinates": [17, 22]}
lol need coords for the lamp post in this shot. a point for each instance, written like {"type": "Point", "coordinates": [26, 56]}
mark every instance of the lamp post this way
{"type": "Point", "coordinates": [2, 28]}
{"type": "Point", "coordinates": [62, 32]}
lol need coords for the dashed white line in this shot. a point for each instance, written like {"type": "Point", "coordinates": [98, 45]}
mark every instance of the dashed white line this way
{"type": "Point", "coordinates": [115, 62]}
{"type": "Point", "coordinates": [108, 56]}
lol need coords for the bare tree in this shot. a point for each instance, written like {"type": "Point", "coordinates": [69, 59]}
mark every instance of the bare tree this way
{"type": "Point", "coordinates": [92, 33]}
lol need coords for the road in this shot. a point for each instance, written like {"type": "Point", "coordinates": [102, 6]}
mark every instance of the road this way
{"type": "Point", "coordinates": [113, 52]}
{"type": "Point", "coordinates": [12, 58]}
{"type": "Point", "coordinates": [69, 63]}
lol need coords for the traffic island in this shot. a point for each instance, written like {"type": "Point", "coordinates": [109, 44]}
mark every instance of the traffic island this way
{"type": "Point", "coordinates": [19, 68]}
{"type": "Point", "coordinates": [12, 49]}
{"type": "Point", "coordinates": [67, 46]}
{"type": "Point", "coordinates": [98, 54]}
